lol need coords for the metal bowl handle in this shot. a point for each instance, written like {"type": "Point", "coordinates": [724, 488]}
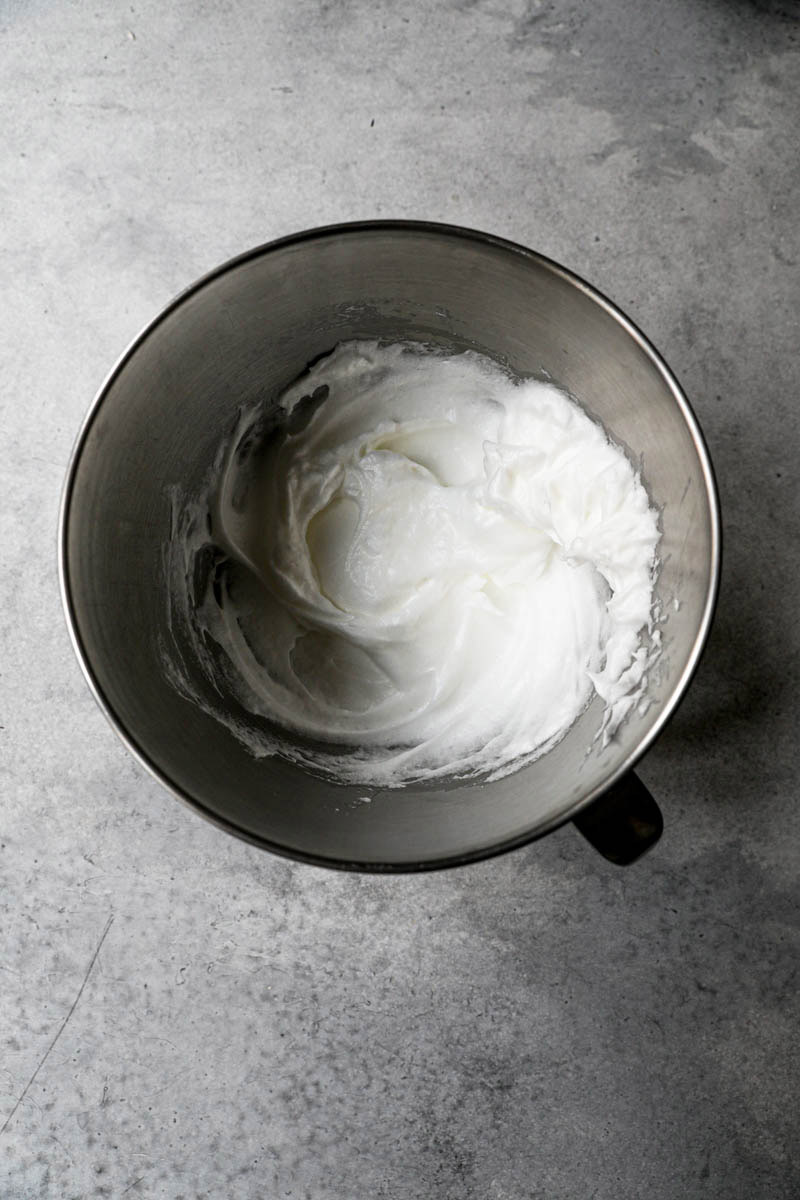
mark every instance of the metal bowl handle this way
{"type": "Point", "coordinates": [623, 823]}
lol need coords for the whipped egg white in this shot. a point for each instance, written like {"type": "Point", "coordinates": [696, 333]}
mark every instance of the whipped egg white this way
{"type": "Point", "coordinates": [417, 565]}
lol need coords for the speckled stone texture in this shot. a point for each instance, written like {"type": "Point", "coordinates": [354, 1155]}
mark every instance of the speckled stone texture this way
{"type": "Point", "coordinates": [183, 1016]}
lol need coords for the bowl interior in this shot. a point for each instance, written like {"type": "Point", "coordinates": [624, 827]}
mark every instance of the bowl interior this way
{"type": "Point", "coordinates": [240, 336]}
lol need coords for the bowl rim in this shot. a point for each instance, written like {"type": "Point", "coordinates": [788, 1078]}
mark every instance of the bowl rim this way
{"type": "Point", "coordinates": [400, 227]}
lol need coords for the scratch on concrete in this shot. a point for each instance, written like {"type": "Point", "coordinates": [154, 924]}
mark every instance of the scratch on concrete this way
{"type": "Point", "coordinates": [61, 1028]}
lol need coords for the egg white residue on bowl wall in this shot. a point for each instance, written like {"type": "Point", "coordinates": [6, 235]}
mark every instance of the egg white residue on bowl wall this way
{"type": "Point", "coordinates": [419, 565]}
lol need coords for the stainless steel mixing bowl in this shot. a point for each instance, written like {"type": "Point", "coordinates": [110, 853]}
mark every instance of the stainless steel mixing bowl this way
{"type": "Point", "coordinates": [241, 335]}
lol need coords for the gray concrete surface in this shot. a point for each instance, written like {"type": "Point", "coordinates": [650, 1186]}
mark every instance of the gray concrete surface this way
{"type": "Point", "coordinates": [183, 1016]}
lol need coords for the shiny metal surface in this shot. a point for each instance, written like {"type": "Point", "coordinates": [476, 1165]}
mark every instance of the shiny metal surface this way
{"type": "Point", "coordinates": [243, 333]}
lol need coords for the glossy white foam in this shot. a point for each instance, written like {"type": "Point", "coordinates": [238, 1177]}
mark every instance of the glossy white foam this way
{"type": "Point", "coordinates": [430, 565]}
